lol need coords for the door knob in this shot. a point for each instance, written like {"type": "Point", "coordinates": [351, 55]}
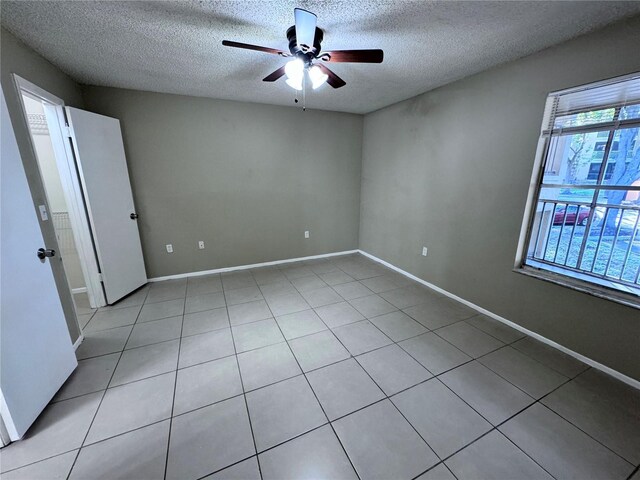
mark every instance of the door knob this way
{"type": "Point", "coordinates": [44, 253]}
{"type": "Point", "coordinates": [133, 216]}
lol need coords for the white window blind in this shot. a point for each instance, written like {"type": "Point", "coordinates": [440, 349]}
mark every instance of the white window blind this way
{"type": "Point", "coordinates": [583, 224]}
{"type": "Point", "coordinates": [599, 95]}
{"type": "Point", "coordinates": [614, 93]}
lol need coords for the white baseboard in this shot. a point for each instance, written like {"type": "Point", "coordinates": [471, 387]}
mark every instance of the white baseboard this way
{"type": "Point", "coordinates": [592, 363]}
{"type": "Point", "coordinates": [246, 267]}
{"type": "Point", "coordinates": [78, 290]}
{"type": "Point", "coordinates": [78, 341]}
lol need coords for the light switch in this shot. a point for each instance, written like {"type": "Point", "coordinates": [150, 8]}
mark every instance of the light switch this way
{"type": "Point", "coordinates": [43, 213]}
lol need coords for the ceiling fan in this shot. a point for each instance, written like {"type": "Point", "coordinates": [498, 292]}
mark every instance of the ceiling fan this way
{"type": "Point", "coordinates": [305, 39]}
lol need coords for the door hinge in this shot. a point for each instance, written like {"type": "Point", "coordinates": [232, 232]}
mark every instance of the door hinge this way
{"type": "Point", "coordinates": [100, 278]}
{"type": "Point", "coordinates": [66, 131]}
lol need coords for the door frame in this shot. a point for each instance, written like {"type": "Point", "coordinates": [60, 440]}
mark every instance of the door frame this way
{"type": "Point", "coordinates": [65, 160]}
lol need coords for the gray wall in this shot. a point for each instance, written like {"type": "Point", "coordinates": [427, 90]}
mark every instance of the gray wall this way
{"type": "Point", "coordinates": [450, 170]}
{"type": "Point", "coordinates": [15, 57]}
{"type": "Point", "coordinates": [247, 179]}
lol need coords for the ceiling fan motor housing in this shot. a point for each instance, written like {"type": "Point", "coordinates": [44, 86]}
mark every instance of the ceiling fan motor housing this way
{"type": "Point", "coordinates": [312, 52]}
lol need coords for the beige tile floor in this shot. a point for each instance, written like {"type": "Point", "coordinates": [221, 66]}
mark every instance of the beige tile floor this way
{"type": "Point", "coordinates": [334, 368]}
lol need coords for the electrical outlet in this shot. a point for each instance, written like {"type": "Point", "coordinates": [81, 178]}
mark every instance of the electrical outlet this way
{"type": "Point", "coordinates": [169, 248]}
{"type": "Point", "coordinates": [201, 244]}
{"type": "Point", "coordinates": [424, 251]}
{"type": "Point", "coordinates": [306, 234]}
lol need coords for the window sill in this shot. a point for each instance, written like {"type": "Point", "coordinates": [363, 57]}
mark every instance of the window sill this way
{"type": "Point", "coordinates": [627, 299]}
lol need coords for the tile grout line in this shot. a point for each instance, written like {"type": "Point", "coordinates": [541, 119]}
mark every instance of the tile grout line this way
{"type": "Point", "coordinates": [175, 385]}
{"type": "Point", "coordinates": [315, 395]}
{"type": "Point", "coordinates": [580, 429]}
{"type": "Point", "coordinates": [351, 356]}
{"type": "Point", "coordinates": [377, 348]}
{"type": "Point", "coordinates": [318, 400]}
{"type": "Point", "coordinates": [494, 427]}
{"type": "Point", "coordinates": [569, 379]}
{"type": "Point", "coordinates": [225, 357]}
{"type": "Point", "coordinates": [388, 397]}
{"type": "Point", "coordinates": [326, 285]}
{"type": "Point", "coordinates": [228, 398]}
{"type": "Point", "coordinates": [633, 472]}
{"type": "Point", "coordinates": [244, 396]}
{"type": "Point", "coordinates": [530, 333]}
{"type": "Point", "coordinates": [103, 395]}
{"type": "Point", "coordinates": [86, 328]}
{"type": "Point", "coordinates": [539, 400]}
{"type": "Point", "coordinates": [121, 353]}
{"type": "Point", "coordinates": [433, 468]}
{"type": "Point", "coordinates": [536, 400]}
{"type": "Point", "coordinates": [231, 465]}
{"type": "Point", "coordinates": [436, 376]}
{"type": "Point", "coordinates": [77, 450]}
{"type": "Point", "coordinates": [556, 370]}
{"type": "Point", "coordinates": [401, 391]}
{"type": "Point", "coordinates": [88, 445]}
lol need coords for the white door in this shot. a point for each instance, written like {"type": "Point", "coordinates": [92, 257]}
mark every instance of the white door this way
{"type": "Point", "coordinates": [36, 354]}
{"type": "Point", "coordinates": [99, 151]}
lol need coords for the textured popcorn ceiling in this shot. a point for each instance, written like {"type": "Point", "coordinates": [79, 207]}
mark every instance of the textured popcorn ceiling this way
{"type": "Point", "coordinates": [175, 47]}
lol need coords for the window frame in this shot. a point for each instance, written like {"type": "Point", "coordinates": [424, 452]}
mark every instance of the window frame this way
{"type": "Point", "coordinates": [592, 285]}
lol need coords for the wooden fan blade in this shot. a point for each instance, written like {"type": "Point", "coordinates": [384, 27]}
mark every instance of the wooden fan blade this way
{"type": "Point", "coordinates": [356, 56]}
{"type": "Point", "coordinates": [274, 76]}
{"type": "Point", "coordinates": [247, 46]}
{"type": "Point", "coordinates": [334, 80]}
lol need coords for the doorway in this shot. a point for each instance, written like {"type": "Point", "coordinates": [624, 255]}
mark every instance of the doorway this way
{"type": "Point", "coordinates": [58, 210]}
{"type": "Point", "coordinates": [66, 209]}
{"type": "Point", "coordinates": [73, 166]}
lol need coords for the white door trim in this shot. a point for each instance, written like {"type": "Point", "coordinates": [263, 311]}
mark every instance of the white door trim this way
{"type": "Point", "coordinates": [5, 439]}
{"type": "Point", "coordinates": [7, 421]}
{"type": "Point", "coordinates": [71, 186]}
{"type": "Point", "coordinates": [78, 341]}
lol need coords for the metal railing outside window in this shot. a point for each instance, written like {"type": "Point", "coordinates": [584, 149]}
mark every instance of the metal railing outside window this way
{"type": "Point", "coordinates": [585, 220]}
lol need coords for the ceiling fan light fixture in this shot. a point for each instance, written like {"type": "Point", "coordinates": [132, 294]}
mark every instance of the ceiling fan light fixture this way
{"type": "Point", "coordinates": [295, 83]}
{"type": "Point", "coordinates": [317, 76]}
{"type": "Point", "coordinates": [294, 70]}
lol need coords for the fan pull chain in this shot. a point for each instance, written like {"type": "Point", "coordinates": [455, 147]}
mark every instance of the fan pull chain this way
{"type": "Point", "coordinates": [304, 93]}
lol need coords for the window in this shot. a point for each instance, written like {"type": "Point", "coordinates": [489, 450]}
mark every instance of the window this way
{"type": "Point", "coordinates": [582, 227]}
{"type": "Point", "coordinates": [594, 171]}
